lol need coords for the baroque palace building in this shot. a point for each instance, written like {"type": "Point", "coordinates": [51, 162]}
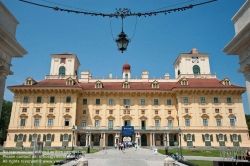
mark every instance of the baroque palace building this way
{"type": "Point", "coordinates": [195, 107]}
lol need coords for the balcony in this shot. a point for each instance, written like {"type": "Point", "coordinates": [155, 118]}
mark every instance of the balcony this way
{"type": "Point", "coordinates": [119, 128]}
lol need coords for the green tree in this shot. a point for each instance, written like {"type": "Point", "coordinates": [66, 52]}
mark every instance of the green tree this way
{"type": "Point", "coordinates": [248, 122]}
{"type": "Point", "coordinates": [5, 120]}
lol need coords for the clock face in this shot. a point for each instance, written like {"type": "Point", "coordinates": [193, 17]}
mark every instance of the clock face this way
{"type": "Point", "coordinates": [195, 59]}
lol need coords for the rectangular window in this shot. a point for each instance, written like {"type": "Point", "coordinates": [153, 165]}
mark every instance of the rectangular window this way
{"type": "Point", "coordinates": [203, 100]}
{"type": "Point", "coordinates": [156, 102]}
{"type": "Point", "coordinates": [217, 110]}
{"type": "Point", "coordinates": [169, 102]}
{"type": "Point", "coordinates": [48, 138]}
{"type": "Point", "coordinates": [65, 137]}
{"type": "Point", "coordinates": [25, 99]}
{"type": "Point", "coordinates": [68, 99]}
{"type": "Point", "coordinates": [110, 125]}
{"type": "Point", "coordinates": [66, 122]}
{"type": "Point", "coordinates": [84, 101]}
{"type": "Point", "coordinates": [67, 110]}
{"type": "Point", "coordinates": [156, 112]}
{"type": "Point", "coordinates": [50, 122]}
{"type": "Point", "coordinates": [97, 101]}
{"type": "Point", "coordinates": [36, 122]}
{"type": "Point", "coordinates": [187, 122]}
{"type": "Point", "coordinates": [96, 111]}
{"type": "Point", "coordinates": [221, 137]}
{"type": "Point", "coordinates": [52, 99]}
{"type": "Point", "coordinates": [229, 100]}
{"type": "Point", "coordinates": [38, 110]}
{"type": "Point", "coordinates": [84, 112]}
{"type": "Point", "coordinates": [143, 112]}
{"type": "Point", "coordinates": [205, 122]}
{"type": "Point", "coordinates": [126, 101]}
{"type": "Point", "coordinates": [170, 123]}
{"type": "Point", "coordinates": [232, 122]}
{"type": "Point", "coordinates": [186, 110]}
{"type": "Point", "coordinates": [83, 123]}
{"type": "Point", "coordinates": [39, 99]}
{"type": "Point", "coordinates": [157, 123]}
{"type": "Point", "coordinates": [111, 102]}
{"type": "Point", "coordinates": [216, 100]}
{"type": "Point", "coordinates": [51, 110]}
{"type": "Point", "coordinates": [169, 112]}
{"type": "Point", "coordinates": [97, 123]}
{"type": "Point", "coordinates": [110, 111]}
{"type": "Point", "coordinates": [22, 123]}
{"type": "Point", "coordinates": [185, 100]}
{"type": "Point", "coordinates": [63, 60]}
{"type": "Point", "coordinates": [230, 110]}
{"type": "Point", "coordinates": [218, 121]}
{"type": "Point", "coordinates": [143, 102]}
{"type": "Point", "coordinates": [203, 110]}
{"type": "Point", "coordinates": [24, 110]}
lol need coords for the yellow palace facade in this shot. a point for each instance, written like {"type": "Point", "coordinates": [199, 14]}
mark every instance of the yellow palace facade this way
{"type": "Point", "coordinates": [195, 107]}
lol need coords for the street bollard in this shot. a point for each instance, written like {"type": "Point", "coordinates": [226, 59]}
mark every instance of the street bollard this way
{"type": "Point", "coordinates": [169, 161]}
{"type": "Point", "coordinates": [166, 150]}
{"type": "Point", "coordinates": [83, 162]}
{"type": "Point", "coordinates": [88, 148]}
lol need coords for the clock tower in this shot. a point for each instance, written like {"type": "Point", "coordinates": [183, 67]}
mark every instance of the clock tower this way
{"type": "Point", "coordinates": [192, 64]}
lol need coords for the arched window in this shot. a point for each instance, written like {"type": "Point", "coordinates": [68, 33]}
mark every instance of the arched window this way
{"type": "Point", "coordinates": [62, 70]}
{"type": "Point", "coordinates": [196, 69]}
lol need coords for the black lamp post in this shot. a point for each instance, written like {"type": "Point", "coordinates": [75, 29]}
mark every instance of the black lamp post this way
{"type": "Point", "coordinates": [73, 132]}
{"type": "Point", "coordinates": [179, 131]}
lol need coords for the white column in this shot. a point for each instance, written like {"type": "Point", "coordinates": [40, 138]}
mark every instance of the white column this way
{"type": "Point", "coordinates": [165, 139]}
{"type": "Point", "coordinates": [150, 139]}
{"type": "Point", "coordinates": [3, 77]}
{"type": "Point", "coordinates": [104, 142]}
{"type": "Point", "coordinates": [247, 77]}
{"type": "Point", "coordinates": [168, 141]}
{"type": "Point", "coordinates": [75, 143]}
{"type": "Point", "coordinates": [153, 139]}
{"type": "Point", "coordinates": [89, 139]}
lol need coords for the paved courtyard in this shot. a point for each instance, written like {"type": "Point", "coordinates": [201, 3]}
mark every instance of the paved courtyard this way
{"type": "Point", "coordinates": [130, 157]}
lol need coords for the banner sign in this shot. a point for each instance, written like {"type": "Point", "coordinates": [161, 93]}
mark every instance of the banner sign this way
{"type": "Point", "coordinates": [128, 130]}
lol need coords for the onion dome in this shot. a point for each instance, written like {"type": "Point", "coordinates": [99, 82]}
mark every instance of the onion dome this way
{"type": "Point", "coordinates": [126, 66]}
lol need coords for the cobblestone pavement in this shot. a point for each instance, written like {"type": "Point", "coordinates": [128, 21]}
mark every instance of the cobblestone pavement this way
{"type": "Point", "coordinates": [130, 157]}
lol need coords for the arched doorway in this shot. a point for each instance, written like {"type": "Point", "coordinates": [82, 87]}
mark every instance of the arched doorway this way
{"type": "Point", "coordinates": [96, 140]}
{"type": "Point", "coordinates": [110, 140]}
{"type": "Point", "coordinates": [143, 140]}
{"type": "Point", "coordinates": [83, 140]}
{"type": "Point", "coordinates": [158, 140]}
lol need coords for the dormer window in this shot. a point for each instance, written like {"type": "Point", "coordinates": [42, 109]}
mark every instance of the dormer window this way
{"type": "Point", "coordinates": [126, 85]}
{"type": "Point", "coordinates": [155, 84]}
{"type": "Point", "coordinates": [29, 81]}
{"type": "Point", "coordinates": [98, 84]}
{"type": "Point", "coordinates": [225, 81]}
{"type": "Point", "coordinates": [69, 81]}
{"type": "Point", "coordinates": [184, 82]}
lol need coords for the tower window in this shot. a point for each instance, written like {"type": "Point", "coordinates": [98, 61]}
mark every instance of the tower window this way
{"type": "Point", "coordinates": [196, 69]}
{"type": "Point", "coordinates": [62, 71]}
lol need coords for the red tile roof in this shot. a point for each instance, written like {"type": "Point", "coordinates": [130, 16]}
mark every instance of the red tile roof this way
{"type": "Point", "coordinates": [193, 83]}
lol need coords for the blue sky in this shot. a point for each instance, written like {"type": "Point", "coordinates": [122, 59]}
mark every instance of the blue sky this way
{"type": "Point", "coordinates": [156, 43]}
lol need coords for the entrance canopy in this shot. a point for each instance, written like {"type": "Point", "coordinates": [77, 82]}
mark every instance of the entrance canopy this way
{"type": "Point", "coordinates": [128, 130]}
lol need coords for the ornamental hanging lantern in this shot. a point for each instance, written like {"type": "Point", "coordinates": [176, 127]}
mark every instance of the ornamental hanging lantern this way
{"type": "Point", "coordinates": [122, 41]}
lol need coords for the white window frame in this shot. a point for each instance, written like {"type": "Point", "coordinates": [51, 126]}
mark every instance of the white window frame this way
{"type": "Point", "coordinates": [36, 122]}
{"type": "Point", "coordinates": [157, 123]}
{"type": "Point", "coordinates": [22, 122]}
{"type": "Point", "coordinates": [187, 121]}
{"type": "Point", "coordinates": [97, 123]}
{"type": "Point", "coordinates": [50, 121]}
